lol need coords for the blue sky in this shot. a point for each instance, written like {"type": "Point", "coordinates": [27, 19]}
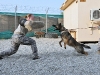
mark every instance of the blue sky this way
{"type": "Point", "coordinates": [34, 6]}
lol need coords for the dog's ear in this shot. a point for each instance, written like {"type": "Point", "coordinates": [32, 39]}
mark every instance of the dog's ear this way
{"type": "Point", "coordinates": [59, 23]}
{"type": "Point", "coordinates": [54, 25]}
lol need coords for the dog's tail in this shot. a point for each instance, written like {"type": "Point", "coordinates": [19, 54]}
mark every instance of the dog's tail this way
{"type": "Point", "coordinates": [88, 47]}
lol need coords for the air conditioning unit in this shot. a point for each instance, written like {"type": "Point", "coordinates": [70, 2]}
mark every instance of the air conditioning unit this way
{"type": "Point", "coordinates": [95, 14]}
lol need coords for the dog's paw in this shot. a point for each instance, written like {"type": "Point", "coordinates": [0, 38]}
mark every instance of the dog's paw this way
{"type": "Point", "coordinates": [86, 53]}
{"type": "Point", "coordinates": [98, 51]}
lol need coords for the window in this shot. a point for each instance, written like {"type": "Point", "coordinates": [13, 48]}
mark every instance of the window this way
{"type": "Point", "coordinates": [82, 0]}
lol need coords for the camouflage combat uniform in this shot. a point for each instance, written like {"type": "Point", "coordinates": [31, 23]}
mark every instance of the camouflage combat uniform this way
{"type": "Point", "coordinates": [19, 38]}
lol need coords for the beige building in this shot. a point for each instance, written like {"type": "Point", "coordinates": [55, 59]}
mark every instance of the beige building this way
{"type": "Point", "coordinates": [77, 19]}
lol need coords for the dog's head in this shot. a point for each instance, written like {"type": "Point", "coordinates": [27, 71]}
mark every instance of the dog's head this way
{"type": "Point", "coordinates": [59, 27]}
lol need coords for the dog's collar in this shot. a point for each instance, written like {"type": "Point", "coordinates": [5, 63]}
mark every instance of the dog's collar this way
{"type": "Point", "coordinates": [63, 32]}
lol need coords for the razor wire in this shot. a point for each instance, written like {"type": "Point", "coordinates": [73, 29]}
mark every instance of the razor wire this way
{"type": "Point", "coordinates": [29, 9]}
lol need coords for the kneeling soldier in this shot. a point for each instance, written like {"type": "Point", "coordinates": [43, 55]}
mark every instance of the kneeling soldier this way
{"type": "Point", "coordinates": [19, 38]}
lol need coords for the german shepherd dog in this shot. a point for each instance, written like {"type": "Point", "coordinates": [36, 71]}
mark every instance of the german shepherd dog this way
{"type": "Point", "coordinates": [69, 40]}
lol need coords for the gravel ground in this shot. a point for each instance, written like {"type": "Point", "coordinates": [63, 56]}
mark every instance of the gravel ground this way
{"type": "Point", "coordinates": [54, 60]}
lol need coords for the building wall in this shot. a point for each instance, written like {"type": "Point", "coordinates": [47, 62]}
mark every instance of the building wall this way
{"type": "Point", "coordinates": [77, 15]}
{"type": "Point", "coordinates": [84, 21]}
{"type": "Point", "coordinates": [71, 16]}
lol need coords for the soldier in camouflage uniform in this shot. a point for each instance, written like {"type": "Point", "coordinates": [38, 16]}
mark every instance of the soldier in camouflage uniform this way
{"type": "Point", "coordinates": [19, 38]}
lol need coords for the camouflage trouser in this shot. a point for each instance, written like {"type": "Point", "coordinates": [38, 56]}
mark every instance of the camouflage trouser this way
{"type": "Point", "coordinates": [16, 41]}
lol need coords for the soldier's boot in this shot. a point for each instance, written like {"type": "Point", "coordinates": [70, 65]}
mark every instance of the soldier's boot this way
{"type": "Point", "coordinates": [35, 56]}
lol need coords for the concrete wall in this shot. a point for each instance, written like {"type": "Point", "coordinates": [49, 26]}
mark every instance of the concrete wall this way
{"type": "Point", "coordinates": [8, 22]}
